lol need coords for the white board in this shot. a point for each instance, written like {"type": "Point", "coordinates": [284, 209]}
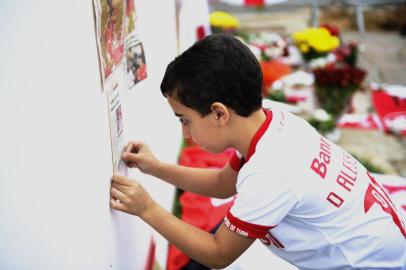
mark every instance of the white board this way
{"type": "Point", "coordinates": [55, 156]}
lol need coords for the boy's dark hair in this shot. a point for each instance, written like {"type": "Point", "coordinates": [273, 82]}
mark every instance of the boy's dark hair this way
{"type": "Point", "coordinates": [218, 68]}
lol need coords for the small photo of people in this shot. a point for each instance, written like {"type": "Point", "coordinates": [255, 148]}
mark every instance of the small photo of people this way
{"type": "Point", "coordinates": [119, 121]}
{"type": "Point", "coordinates": [136, 66]}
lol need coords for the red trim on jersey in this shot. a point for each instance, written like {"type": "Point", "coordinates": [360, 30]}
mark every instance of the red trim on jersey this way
{"type": "Point", "coordinates": [260, 132]}
{"type": "Point", "coordinates": [245, 229]}
{"type": "Point", "coordinates": [376, 194]}
{"type": "Point", "coordinates": [237, 163]}
{"type": "Point", "coordinates": [275, 241]}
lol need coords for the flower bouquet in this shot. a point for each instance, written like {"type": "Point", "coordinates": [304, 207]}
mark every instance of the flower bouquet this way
{"type": "Point", "coordinates": [315, 42]}
{"type": "Point", "coordinates": [334, 30]}
{"type": "Point", "coordinates": [322, 121]}
{"type": "Point", "coordinates": [347, 53]}
{"type": "Point", "coordinates": [222, 22]}
{"type": "Point", "coordinates": [272, 70]}
{"type": "Point", "coordinates": [335, 85]}
{"type": "Point", "coordinates": [271, 45]}
{"type": "Point", "coordinates": [270, 49]}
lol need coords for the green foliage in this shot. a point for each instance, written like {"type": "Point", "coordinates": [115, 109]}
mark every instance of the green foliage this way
{"type": "Point", "coordinates": [313, 54]}
{"type": "Point", "coordinates": [243, 34]}
{"type": "Point", "coordinates": [322, 126]}
{"type": "Point", "coordinates": [369, 165]}
{"type": "Point", "coordinates": [277, 95]}
{"type": "Point", "coordinates": [334, 99]}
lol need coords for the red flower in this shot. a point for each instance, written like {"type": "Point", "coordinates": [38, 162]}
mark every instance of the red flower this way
{"type": "Point", "coordinates": [347, 53]}
{"type": "Point", "coordinates": [334, 75]}
{"type": "Point", "coordinates": [334, 31]}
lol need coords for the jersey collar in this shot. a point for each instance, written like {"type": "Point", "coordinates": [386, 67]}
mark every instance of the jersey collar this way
{"type": "Point", "coordinates": [260, 132]}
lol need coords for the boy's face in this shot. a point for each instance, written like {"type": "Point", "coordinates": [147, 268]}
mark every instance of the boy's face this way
{"type": "Point", "coordinates": [204, 131]}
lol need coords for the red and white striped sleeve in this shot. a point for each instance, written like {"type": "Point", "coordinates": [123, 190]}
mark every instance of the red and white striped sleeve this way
{"type": "Point", "coordinates": [261, 203]}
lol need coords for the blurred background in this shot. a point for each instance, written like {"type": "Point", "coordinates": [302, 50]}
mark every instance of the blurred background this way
{"type": "Point", "coordinates": [359, 40]}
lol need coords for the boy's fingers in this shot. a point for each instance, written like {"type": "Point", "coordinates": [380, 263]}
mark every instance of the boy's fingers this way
{"type": "Point", "coordinates": [115, 204]}
{"type": "Point", "coordinates": [128, 147]}
{"type": "Point", "coordinates": [133, 147]}
{"type": "Point", "coordinates": [129, 157]}
{"type": "Point", "coordinates": [136, 144]}
{"type": "Point", "coordinates": [117, 193]}
{"type": "Point", "coordinates": [122, 180]}
{"type": "Point", "coordinates": [130, 164]}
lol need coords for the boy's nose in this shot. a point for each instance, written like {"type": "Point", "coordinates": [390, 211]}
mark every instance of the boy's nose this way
{"type": "Point", "coordinates": [186, 133]}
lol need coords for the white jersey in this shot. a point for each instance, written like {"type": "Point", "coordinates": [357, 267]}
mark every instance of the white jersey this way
{"type": "Point", "coordinates": [313, 204]}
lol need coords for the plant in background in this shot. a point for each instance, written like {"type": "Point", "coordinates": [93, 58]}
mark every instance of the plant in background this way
{"type": "Point", "coordinates": [277, 95]}
{"type": "Point", "coordinates": [334, 31]}
{"type": "Point", "coordinates": [347, 53]}
{"type": "Point", "coordinates": [272, 70]}
{"type": "Point", "coordinates": [315, 42]}
{"type": "Point", "coordinates": [271, 45]}
{"type": "Point", "coordinates": [223, 22]}
{"type": "Point", "coordinates": [369, 165]}
{"type": "Point", "coordinates": [322, 121]}
{"type": "Point", "coordinates": [335, 85]}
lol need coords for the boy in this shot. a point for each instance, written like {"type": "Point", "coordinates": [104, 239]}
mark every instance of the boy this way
{"type": "Point", "coordinates": [305, 198]}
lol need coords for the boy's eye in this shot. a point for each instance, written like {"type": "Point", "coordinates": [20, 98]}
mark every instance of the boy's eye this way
{"type": "Point", "coordinates": [183, 121]}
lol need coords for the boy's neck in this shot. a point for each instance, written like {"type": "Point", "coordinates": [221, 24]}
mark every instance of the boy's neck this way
{"type": "Point", "coordinates": [244, 129]}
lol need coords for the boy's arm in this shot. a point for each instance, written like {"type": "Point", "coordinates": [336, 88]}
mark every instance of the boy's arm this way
{"type": "Point", "coordinates": [215, 251]}
{"type": "Point", "coordinates": [218, 183]}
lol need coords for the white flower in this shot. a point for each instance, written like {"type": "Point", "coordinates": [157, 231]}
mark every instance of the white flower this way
{"type": "Point", "coordinates": [318, 63]}
{"type": "Point", "coordinates": [277, 85]}
{"type": "Point", "coordinates": [272, 44]}
{"type": "Point", "coordinates": [321, 62]}
{"type": "Point", "coordinates": [273, 51]}
{"type": "Point", "coordinates": [331, 57]}
{"type": "Point", "coordinates": [321, 115]}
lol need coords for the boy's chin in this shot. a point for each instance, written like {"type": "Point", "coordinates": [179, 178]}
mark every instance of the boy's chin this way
{"type": "Point", "coordinates": [212, 150]}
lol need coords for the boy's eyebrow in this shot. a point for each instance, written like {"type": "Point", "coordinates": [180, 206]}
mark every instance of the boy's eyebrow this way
{"type": "Point", "coordinates": [178, 114]}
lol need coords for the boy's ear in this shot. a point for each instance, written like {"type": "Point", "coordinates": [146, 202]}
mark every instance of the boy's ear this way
{"type": "Point", "coordinates": [221, 112]}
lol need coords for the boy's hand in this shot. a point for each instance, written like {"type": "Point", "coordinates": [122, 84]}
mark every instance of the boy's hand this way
{"type": "Point", "coordinates": [138, 155]}
{"type": "Point", "coordinates": [129, 196]}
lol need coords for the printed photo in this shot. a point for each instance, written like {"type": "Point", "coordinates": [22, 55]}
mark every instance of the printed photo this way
{"type": "Point", "coordinates": [136, 66]}
{"type": "Point", "coordinates": [119, 121]}
{"type": "Point", "coordinates": [112, 36]}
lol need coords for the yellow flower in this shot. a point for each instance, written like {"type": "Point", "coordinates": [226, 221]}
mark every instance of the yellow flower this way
{"type": "Point", "coordinates": [223, 20]}
{"type": "Point", "coordinates": [303, 47]}
{"type": "Point", "coordinates": [319, 39]}
{"type": "Point", "coordinates": [335, 42]}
